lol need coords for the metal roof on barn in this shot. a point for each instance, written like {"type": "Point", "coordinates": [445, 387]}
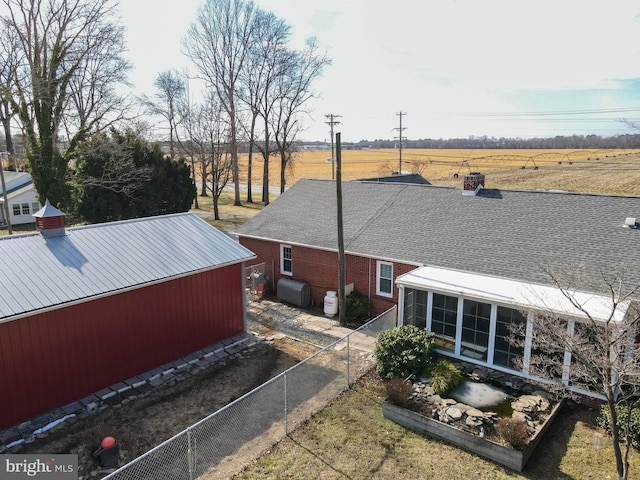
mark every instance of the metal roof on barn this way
{"type": "Point", "coordinates": [502, 233]}
{"type": "Point", "coordinates": [38, 272]}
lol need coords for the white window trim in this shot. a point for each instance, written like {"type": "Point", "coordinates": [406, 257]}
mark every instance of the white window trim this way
{"type": "Point", "coordinates": [379, 263]}
{"type": "Point", "coordinates": [282, 270]}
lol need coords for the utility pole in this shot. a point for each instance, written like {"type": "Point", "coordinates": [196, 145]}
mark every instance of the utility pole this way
{"type": "Point", "coordinates": [400, 114]}
{"type": "Point", "coordinates": [342, 298]}
{"type": "Point", "coordinates": [332, 121]}
{"type": "Point", "coordinates": [4, 192]}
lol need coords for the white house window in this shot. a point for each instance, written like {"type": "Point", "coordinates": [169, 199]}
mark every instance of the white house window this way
{"type": "Point", "coordinates": [415, 307]}
{"type": "Point", "coordinates": [286, 260]}
{"type": "Point", "coordinates": [25, 209]}
{"type": "Point", "coordinates": [35, 206]}
{"type": "Point", "coordinates": [476, 321]}
{"type": "Point", "coordinates": [16, 209]}
{"type": "Point", "coordinates": [444, 319]}
{"type": "Point", "coordinates": [384, 279]}
{"type": "Point", "coordinates": [510, 324]}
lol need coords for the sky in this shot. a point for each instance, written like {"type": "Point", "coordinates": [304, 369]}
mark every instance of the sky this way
{"type": "Point", "coordinates": [454, 68]}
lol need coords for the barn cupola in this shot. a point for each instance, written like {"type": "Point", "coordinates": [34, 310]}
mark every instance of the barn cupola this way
{"type": "Point", "coordinates": [49, 221]}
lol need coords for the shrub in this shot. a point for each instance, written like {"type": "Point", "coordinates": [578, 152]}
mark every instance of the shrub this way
{"type": "Point", "coordinates": [399, 390]}
{"type": "Point", "coordinates": [357, 308]}
{"type": "Point", "coordinates": [444, 376]}
{"type": "Point", "coordinates": [514, 431]}
{"type": "Point", "coordinates": [403, 351]}
{"type": "Point", "coordinates": [604, 421]}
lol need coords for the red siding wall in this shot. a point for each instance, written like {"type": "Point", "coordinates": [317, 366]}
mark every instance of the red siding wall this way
{"type": "Point", "coordinates": [51, 359]}
{"type": "Point", "coordinates": [319, 268]}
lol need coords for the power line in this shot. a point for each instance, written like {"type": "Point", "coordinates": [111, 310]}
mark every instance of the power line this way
{"type": "Point", "coordinates": [551, 113]}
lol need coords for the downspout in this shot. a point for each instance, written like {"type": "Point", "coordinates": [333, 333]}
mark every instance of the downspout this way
{"type": "Point", "coordinates": [244, 297]}
{"type": "Point", "coordinates": [369, 281]}
{"type": "Point", "coordinates": [400, 320]}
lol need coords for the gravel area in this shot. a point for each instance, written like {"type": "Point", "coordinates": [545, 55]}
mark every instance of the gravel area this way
{"type": "Point", "coordinates": [271, 317]}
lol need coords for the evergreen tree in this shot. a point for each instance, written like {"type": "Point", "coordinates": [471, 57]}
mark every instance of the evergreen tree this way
{"type": "Point", "coordinates": [121, 176]}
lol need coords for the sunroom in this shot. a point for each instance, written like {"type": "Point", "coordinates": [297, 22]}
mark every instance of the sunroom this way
{"type": "Point", "coordinates": [475, 316]}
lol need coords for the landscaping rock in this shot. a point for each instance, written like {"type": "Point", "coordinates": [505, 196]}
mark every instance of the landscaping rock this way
{"type": "Point", "coordinates": [454, 413]}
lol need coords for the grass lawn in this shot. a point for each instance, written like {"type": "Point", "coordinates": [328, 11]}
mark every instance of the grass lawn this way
{"type": "Point", "coordinates": [351, 439]}
{"type": "Point", "coordinates": [230, 215]}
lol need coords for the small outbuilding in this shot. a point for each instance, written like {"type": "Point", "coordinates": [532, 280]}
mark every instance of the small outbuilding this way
{"type": "Point", "coordinates": [22, 198]}
{"type": "Point", "coordinates": [86, 307]}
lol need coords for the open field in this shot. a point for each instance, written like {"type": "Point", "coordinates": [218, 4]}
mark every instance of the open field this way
{"type": "Point", "coordinates": [592, 171]}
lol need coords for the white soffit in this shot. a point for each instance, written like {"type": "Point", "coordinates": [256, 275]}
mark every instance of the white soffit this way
{"type": "Point", "coordinates": [527, 296]}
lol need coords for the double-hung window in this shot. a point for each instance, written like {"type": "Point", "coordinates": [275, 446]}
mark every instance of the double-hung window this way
{"type": "Point", "coordinates": [384, 279]}
{"type": "Point", "coordinates": [286, 260]}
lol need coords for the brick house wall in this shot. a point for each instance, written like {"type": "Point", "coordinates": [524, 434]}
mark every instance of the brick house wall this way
{"type": "Point", "coordinates": [319, 269]}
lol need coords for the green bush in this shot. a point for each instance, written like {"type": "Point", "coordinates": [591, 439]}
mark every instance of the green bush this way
{"type": "Point", "coordinates": [399, 390]}
{"type": "Point", "coordinates": [604, 421]}
{"type": "Point", "coordinates": [403, 351]}
{"type": "Point", "coordinates": [357, 308]}
{"type": "Point", "coordinates": [514, 431]}
{"type": "Point", "coordinates": [444, 376]}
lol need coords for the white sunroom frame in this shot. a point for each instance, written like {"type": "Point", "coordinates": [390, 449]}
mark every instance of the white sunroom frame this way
{"type": "Point", "coordinates": [521, 296]}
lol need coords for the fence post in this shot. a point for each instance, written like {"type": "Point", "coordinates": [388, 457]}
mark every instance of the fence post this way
{"type": "Point", "coordinates": [190, 455]}
{"type": "Point", "coordinates": [348, 360]}
{"type": "Point", "coordinates": [286, 417]}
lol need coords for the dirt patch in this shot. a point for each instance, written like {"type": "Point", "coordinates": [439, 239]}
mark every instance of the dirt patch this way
{"type": "Point", "coordinates": [143, 423]}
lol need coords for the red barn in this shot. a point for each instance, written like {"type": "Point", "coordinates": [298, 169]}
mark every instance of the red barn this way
{"type": "Point", "coordinates": [85, 307]}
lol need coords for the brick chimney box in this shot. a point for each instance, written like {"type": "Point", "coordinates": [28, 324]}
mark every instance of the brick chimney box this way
{"type": "Point", "coordinates": [473, 183]}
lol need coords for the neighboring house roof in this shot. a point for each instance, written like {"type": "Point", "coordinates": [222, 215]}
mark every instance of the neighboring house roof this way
{"type": "Point", "coordinates": [17, 191]}
{"type": "Point", "coordinates": [503, 233]}
{"type": "Point", "coordinates": [15, 180]}
{"type": "Point", "coordinates": [403, 178]}
{"type": "Point", "coordinates": [39, 272]}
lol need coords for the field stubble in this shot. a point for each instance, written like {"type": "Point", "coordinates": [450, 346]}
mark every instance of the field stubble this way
{"type": "Point", "coordinates": [588, 171]}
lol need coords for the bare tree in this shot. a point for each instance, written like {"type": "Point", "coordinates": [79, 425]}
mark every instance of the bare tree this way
{"type": "Point", "coordinates": [95, 102]}
{"type": "Point", "coordinates": [58, 41]}
{"type": "Point", "coordinates": [9, 63]}
{"type": "Point", "coordinates": [267, 60]}
{"type": "Point", "coordinates": [207, 140]}
{"type": "Point", "coordinates": [170, 91]}
{"type": "Point", "coordinates": [188, 136]}
{"type": "Point", "coordinates": [295, 90]}
{"type": "Point", "coordinates": [596, 351]}
{"type": "Point", "coordinates": [218, 43]}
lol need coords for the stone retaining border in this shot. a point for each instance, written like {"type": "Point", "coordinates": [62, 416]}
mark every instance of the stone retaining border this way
{"type": "Point", "coordinates": [12, 439]}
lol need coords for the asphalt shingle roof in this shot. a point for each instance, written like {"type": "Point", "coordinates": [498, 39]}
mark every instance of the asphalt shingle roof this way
{"type": "Point", "coordinates": [504, 233]}
{"type": "Point", "coordinates": [38, 272]}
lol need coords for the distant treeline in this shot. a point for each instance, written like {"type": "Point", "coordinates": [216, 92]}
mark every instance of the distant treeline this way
{"type": "Point", "coordinates": [593, 142]}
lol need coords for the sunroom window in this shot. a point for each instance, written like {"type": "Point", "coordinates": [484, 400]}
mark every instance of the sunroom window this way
{"type": "Point", "coordinates": [476, 321]}
{"type": "Point", "coordinates": [444, 315]}
{"type": "Point", "coordinates": [510, 330]}
{"type": "Point", "coordinates": [415, 308]}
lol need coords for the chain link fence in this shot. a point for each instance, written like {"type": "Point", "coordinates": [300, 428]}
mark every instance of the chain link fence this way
{"type": "Point", "coordinates": [222, 444]}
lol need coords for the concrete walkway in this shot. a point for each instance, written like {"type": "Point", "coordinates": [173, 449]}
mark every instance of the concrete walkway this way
{"type": "Point", "coordinates": [303, 323]}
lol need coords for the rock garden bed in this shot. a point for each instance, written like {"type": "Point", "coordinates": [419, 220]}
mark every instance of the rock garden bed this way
{"type": "Point", "coordinates": [507, 436]}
